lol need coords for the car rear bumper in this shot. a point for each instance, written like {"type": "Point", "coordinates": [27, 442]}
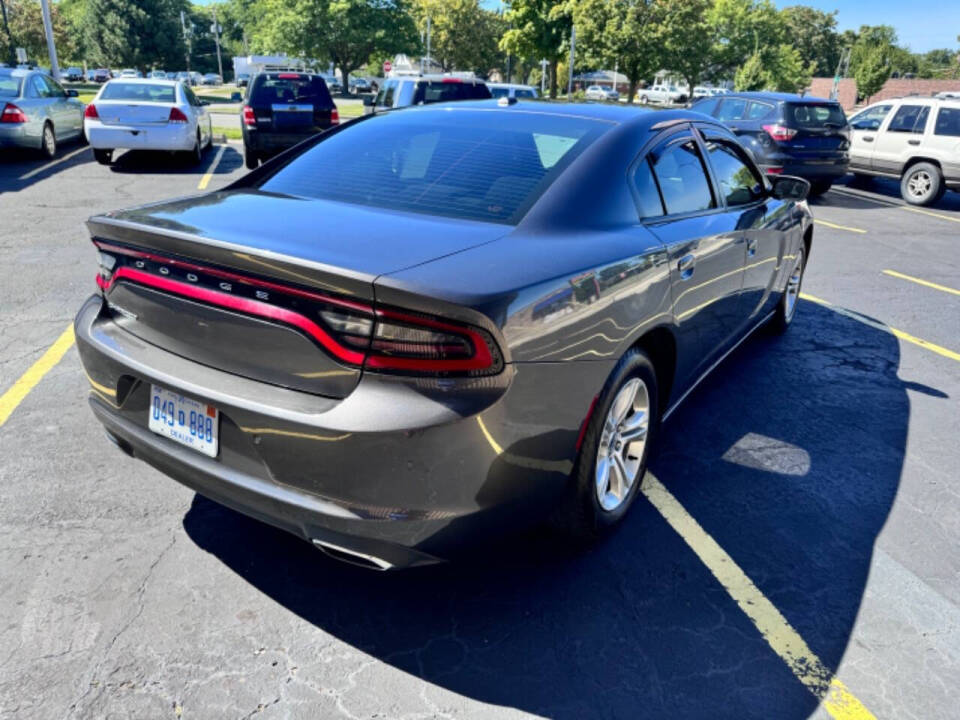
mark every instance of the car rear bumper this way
{"type": "Point", "coordinates": [269, 143]}
{"type": "Point", "coordinates": [17, 136]}
{"type": "Point", "coordinates": [824, 168]}
{"type": "Point", "coordinates": [171, 137]}
{"type": "Point", "coordinates": [399, 472]}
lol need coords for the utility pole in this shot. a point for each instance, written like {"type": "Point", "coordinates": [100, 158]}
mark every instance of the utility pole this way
{"type": "Point", "coordinates": [573, 48]}
{"type": "Point", "coordinates": [215, 29]}
{"type": "Point", "coordinates": [186, 39]}
{"type": "Point", "coordinates": [48, 31]}
{"type": "Point", "coordinates": [6, 27]}
{"type": "Point", "coordinates": [543, 76]}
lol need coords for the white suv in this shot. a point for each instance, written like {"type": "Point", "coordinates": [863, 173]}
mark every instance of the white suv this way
{"type": "Point", "coordinates": [914, 139]}
{"type": "Point", "coordinates": [661, 94]}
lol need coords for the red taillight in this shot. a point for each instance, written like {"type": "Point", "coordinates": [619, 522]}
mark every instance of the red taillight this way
{"type": "Point", "coordinates": [12, 114]}
{"type": "Point", "coordinates": [91, 112]}
{"type": "Point", "coordinates": [780, 133]}
{"type": "Point", "coordinates": [289, 76]}
{"type": "Point", "coordinates": [354, 333]}
{"type": "Point", "coordinates": [248, 117]}
{"type": "Point", "coordinates": [774, 170]}
{"type": "Point", "coordinates": [451, 80]}
{"type": "Point", "coordinates": [334, 117]}
{"type": "Point", "coordinates": [177, 116]}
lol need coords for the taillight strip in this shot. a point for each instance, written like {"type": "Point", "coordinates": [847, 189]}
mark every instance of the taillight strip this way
{"type": "Point", "coordinates": [236, 277]}
{"type": "Point", "coordinates": [234, 302]}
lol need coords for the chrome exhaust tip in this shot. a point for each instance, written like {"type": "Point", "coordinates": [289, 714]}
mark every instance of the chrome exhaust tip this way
{"type": "Point", "coordinates": [352, 556]}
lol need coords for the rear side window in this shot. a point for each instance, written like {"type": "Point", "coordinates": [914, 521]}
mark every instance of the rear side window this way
{"type": "Point", "coordinates": [759, 110]}
{"type": "Point", "coordinates": [475, 165]}
{"type": "Point", "coordinates": [447, 90]}
{"type": "Point", "coordinates": [739, 185]}
{"type": "Point", "coordinates": [385, 96]}
{"type": "Point", "coordinates": [814, 115]}
{"type": "Point", "coordinates": [139, 92]}
{"type": "Point", "coordinates": [909, 119]}
{"type": "Point", "coordinates": [290, 89]}
{"type": "Point", "coordinates": [9, 86]}
{"type": "Point", "coordinates": [529, 94]}
{"type": "Point", "coordinates": [648, 196]}
{"type": "Point", "coordinates": [682, 178]}
{"type": "Point", "coordinates": [731, 109]}
{"type": "Point", "coordinates": [948, 122]}
{"type": "Point", "coordinates": [499, 92]}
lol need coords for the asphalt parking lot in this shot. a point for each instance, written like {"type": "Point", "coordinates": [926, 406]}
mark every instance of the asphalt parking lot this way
{"type": "Point", "coordinates": [796, 554]}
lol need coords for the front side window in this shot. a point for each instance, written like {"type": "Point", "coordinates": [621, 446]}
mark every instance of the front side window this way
{"type": "Point", "coordinates": [739, 184]}
{"type": "Point", "coordinates": [731, 110]}
{"type": "Point", "coordinates": [473, 165]}
{"type": "Point", "coordinates": [53, 88]}
{"type": "Point", "coordinates": [948, 122]}
{"type": "Point", "coordinates": [909, 119]}
{"type": "Point", "coordinates": [871, 118]}
{"type": "Point", "coordinates": [682, 178]}
{"type": "Point", "coordinates": [40, 88]}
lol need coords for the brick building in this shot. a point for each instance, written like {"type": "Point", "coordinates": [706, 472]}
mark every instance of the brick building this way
{"type": "Point", "coordinates": [892, 88]}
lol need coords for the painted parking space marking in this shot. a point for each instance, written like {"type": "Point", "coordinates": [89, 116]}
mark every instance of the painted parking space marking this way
{"type": "Point", "coordinates": [920, 281]}
{"type": "Point", "coordinates": [782, 638]}
{"type": "Point", "coordinates": [52, 163]}
{"type": "Point", "coordinates": [205, 180]}
{"type": "Point", "coordinates": [905, 336]}
{"type": "Point", "coordinates": [26, 382]}
{"type": "Point", "coordinates": [840, 227]}
{"type": "Point", "coordinates": [930, 213]}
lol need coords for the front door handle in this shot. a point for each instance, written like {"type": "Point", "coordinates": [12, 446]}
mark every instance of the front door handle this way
{"type": "Point", "coordinates": [913, 142]}
{"type": "Point", "coordinates": [685, 266]}
{"type": "Point", "coordinates": [867, 139]}
{"type": "Point", "coordinates": [751, 247]}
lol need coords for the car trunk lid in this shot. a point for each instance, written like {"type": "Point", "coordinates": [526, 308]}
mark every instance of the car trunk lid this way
{"type": "Point", "coordinates": [820, 128]}
{"type": "Point", "coordinates": [127, 113]}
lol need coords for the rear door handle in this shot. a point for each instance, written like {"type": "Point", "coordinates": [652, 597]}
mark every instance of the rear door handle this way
{"type": "Point", "coordinates": [685, 266]}
{"type": "Point", "coordinates": [751, 247]}
{"type": "Point", "coordinates": [867, 139]}
{"type": "Point", "coordinates": [913, 142]}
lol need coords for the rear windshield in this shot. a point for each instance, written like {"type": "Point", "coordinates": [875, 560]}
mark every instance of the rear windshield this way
{"type": "Point", "coordinates": [476, 165]}
{"type": "Point", "coordinates": [290, 88]}
{"type": "Point", "coordinates": [811, 115]}
{"type": "Point", "coordinates": [9, 86]}
{"type": "Point", "coordinates": [141, 92]}
{"type": "Point", "coordinates": [432, 91]}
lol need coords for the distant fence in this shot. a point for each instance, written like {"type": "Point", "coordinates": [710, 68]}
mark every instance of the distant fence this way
{"type": "Point", "coordinates": [893, 88]}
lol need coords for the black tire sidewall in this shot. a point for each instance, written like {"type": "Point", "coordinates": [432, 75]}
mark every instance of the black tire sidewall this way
{"type": "Point", "coordinates": [781, 321]}
{"type": "Point", "coordinates": [591, 518]}
{"type": "Point", "coordinates": [250, 159]}
{"type": "Point", "coordinates": [43, 142]}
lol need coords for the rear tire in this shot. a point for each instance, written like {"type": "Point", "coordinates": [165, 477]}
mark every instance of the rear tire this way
{"type": "Point", "coordinates": [819, 187]}
{"type": "Point", "coordinates": [250, 159]}
{"type": "Point", "coordinates": [616, 446]}
{"type": "Point", "coordinates": [48, 142]}
{"type": "Point", "coordinates": [196, 155]}
{"type": "Point", "coordinates": [644, 100]}
{"type": "Point", "coordinates": [922, 184]}
{"type": "Point", "coordinates": [104, 157]}
{"type": "Point", "coordinates": [787, 307]}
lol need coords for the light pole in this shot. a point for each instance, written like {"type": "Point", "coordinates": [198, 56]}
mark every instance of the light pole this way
{"type": "Point", "coordinates": [48, 31]}
{"type": "Point", "coordinates": [215, 29]}
{"type": "Point", "coordinates": [573, 47]}
{"type": "Point", "coordinates": [543, 76]}
{"type": "Point", "coordinates": [186, 40]}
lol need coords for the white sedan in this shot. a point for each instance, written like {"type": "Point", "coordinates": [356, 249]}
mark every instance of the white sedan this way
{"type": "Point", "coordinates": [135, 114]}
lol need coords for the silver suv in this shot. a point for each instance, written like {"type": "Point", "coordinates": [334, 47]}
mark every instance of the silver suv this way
{"type": "Point", "coordinates": [913, 139]}
{"type": "Point", "coordinates": [424, 89]}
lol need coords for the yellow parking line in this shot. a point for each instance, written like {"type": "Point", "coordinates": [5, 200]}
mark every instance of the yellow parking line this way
{"type": "Point", "coordinates": [931, 214]}
{"type": "Point", "coordinates": [486, 433]}
{"type": "Point", "coordinates": [779, 634]}
{"type": "Point", "coordinates": [918, 281]}
{"type": "Point", "coordinates": [907, 337]}
{"type": "Point", "coordinates": [840, 227]}
{"type": "Point", "coordinates": [37, 171]}
{"type": "Point", "coordinates": [205, 180]}
{"type": "Point", "coordinates": [22, 387]}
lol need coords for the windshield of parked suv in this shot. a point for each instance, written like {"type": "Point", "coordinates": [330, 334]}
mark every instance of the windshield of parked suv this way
{"type": "Point", "coordinates": [476, 165]}
{"type": "Point", "coordinates": [141, 92]}
{"type": "Point", "coordinates": [9, 86]}
{"type": "Point", "coordinates": [290, 88]}
{"type": "Point", "coordinates": [804, 115]}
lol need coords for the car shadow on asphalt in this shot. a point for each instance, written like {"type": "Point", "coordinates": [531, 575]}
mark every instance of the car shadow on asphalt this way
{"type": "Point", "coordinates": [790, 456]}
{"type": "Point", "coordinates": [20, 168]}
{"type": "Point", "coordinates": [164, 163]}
{"type": "Point", "coordinates": [879, 191]}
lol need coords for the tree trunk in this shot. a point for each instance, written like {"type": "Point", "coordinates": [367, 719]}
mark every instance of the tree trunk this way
{"type": "Point", "coordinates": [634, 84]}
{"type": "Point", "coordinates": [553, 78]}
{"type": "Point", "coordinates": [692, 83]}
{"type": "Point", "coordinates": [345, 71]}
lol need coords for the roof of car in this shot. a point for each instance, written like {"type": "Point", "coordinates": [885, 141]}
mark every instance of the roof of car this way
{"type": "Point", "coordinates": [15, 72]}
{"type": "Point", "coordinates": [779, 96]}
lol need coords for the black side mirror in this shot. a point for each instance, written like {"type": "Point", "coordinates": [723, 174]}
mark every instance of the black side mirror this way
{"type": "Point", "coordinates": [369, 100]}
{"type": "Point", "coordinates": [72, 93]}
{"type": "Point", "coordinates": [236, 97]}
{"type": "Point", "coordinates": [788, 187]}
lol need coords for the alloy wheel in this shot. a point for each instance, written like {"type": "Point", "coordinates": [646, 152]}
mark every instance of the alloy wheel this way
{"type": "Point", "coordinates": [920, 184]}
{"type": "Point", "coordinates": [49, 141]}
{"type": "Point", "coordinates": [622, 444]}
{"type": "Point", "coordinates": [793, 287]}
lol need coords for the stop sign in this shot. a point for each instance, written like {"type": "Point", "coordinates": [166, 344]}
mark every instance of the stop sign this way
{"type": "Point", "coordinates": [387, 66]}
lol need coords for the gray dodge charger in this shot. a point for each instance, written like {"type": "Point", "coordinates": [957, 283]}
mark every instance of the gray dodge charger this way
{"type": "Point", "coordinates": [412, 334]}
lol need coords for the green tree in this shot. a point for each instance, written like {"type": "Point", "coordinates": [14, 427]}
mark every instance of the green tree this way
{"type": "Point", "coordinates": [738, 28]}
{"type": "Point", "coordinates": [25, 25]}
{"type": "Point", "coordinates": [690, 40]}
{"type": "Point", "coordinates": [538, 29]}
{"type": "Point", "coordinates": [463, 36]}
{"type": "Point", "coordinates": [752, 75]}
{"type": "Point", "coordinates": [623, 33]}
{"type": "Point", "coordinates": [135, 33]}
{"type": "Point", "coordinates": [814, 34]}
{"type": "Point", "coordinates": [872, 71]}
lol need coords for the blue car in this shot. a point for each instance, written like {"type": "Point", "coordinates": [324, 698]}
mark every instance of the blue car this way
{"type": "Point", "coordinates": [788, 134]}
{"type": "Point", "coordinates": [36, 112]}
{"type": "Point", "coordinates": [411, 334]}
